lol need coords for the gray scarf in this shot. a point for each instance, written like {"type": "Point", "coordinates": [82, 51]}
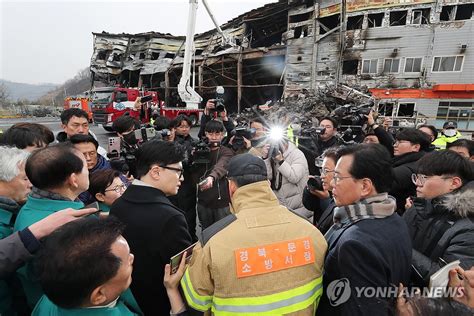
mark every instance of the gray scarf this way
{"type": "Point", "coordinates": [43, 194]}
{"type": "Point", "coordinates": [378, 206]}
{"type": "Point", "coordinates": [9, 205]}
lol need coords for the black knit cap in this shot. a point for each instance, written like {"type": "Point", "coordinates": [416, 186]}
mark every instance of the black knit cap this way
{"type": "Point", "coordinates": [246, 164]}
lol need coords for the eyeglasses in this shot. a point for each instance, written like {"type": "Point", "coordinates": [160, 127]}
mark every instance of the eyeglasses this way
{"type": "Point", "coordinates": [421, 178]}
{"type": "Point", "coordinates": [326, 171]}
{"type": "Point", "coordinates": [398, 142]}
{"type": "Point", "coordinates": [118, 189]}
{"type": "Point", "coordinates": [178, 170]}
{"type": "Point", "coordinates": [337, 178]}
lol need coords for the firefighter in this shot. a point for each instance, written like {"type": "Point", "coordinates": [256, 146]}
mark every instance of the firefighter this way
{"type": "Point", "coordinates": [260, 260]}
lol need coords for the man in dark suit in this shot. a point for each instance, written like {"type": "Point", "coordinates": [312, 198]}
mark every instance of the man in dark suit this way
{"type": "Point", "coordinates": [368, 245]}
{"type": "Point", "coordinates": [155, 229]}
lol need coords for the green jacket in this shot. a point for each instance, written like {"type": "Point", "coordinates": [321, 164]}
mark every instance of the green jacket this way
{"type": "Point", "coordinates": [443, 140]}
{"type": "Point", "coordinates": [126, 306]}
{"type": "Point", "coordinates": [33, 211]}
{"type": "Point", "coordinates": [6, 229]}
{"type": "Point", "coordinates": [104, 208]}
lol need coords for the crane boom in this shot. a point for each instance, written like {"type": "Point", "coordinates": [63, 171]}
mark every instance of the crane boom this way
{"type": "Point", "coordinates": [185, 90]}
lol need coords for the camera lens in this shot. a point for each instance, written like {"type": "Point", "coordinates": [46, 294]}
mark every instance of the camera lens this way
{"type": "Point", "coordinates": [315, 184]}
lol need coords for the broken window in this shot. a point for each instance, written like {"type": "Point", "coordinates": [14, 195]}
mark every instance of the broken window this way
{"type": "Point", "coordinates": [301, 31]}
{"type": "Point", "coordinates": [102, 55]}
{"type": "Point", "coordinates": [464, 12]}
{"type": "Point", "coordinates": [169, 55]}
{"type": "Point", "coordinates": [349, 67]}
{"type": "Point", "coordinates": [386, 109]}
{"type": "Point", "coordinates": [406, 109]}
{"type": "Point", "coordinates": [300, 17]}
{"type": "Point", "coordinates": [448, 13]}
{"type": "Point", "coordinates": [369, 66]}
{"type": "Point", "coordinates": [142, 56]}
{"type": "Point", "coordinates": [375, 19]}
{"type": "Point", "coordinates": [155, 56]}
{"type": "Point", "coordinates": [355, 22]}
{"type": "Point", "coordinates": [420, 16]}
{"type": "Point", "coordinates": [328, 23]}
{"type": "Point", "coordinates": [413, 64]}
{"type": "Point", "coordinates": [391, 65]}
{"type": "Point", "coordinates": [117, 57]}
{"type": "Point", "coordinates": [398, 18]}
{"type": "Point", "coordinates": [447, 63]}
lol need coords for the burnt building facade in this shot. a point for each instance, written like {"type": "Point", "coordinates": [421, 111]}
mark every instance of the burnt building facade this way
{"type": "Point", "coordinates": [415, 56]}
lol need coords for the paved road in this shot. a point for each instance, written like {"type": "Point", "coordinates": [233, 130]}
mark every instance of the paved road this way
{"type": "Point", "coordinates": [55, 125]}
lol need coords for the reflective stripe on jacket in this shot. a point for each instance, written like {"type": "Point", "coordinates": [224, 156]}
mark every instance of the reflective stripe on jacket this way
{"type": "Point", "coordinates": [211, 282]}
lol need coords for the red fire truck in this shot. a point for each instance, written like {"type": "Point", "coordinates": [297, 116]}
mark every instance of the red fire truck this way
{"type": "Point", "coordinates": [109, 103]}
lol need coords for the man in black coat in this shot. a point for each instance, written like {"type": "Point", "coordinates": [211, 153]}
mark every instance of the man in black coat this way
{"type": "Point", "coordinates": [155, 229]}
{"type": "Point", "coordinates": [410, 145]}
{"type": "Point", "coordinates": [368, 245]}
{"type": "Point", "coordinates": [441, 219]}
{"type": "Point", "coordinates": [314, 147]}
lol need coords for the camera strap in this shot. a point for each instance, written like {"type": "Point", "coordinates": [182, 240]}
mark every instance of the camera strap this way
{"type": "Point", "coordinates": [276, 185]}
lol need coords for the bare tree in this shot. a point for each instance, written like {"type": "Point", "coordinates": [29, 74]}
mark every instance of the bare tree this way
{"type": "Point", "coordinates": [4, 95]}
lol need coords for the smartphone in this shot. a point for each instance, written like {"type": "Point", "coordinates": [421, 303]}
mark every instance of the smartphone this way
{"type": "Point", "coordinates": [176, 259]}
{"type": "Point", "coordinates": [146, 98]}
{"type": "Point", "coordinates": [113, 146]}
{"type": "Point", "coordinates": [93, 205]}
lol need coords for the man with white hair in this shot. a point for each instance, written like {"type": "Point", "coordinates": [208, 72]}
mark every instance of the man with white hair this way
{"type": "Point", "coordinates": [14, 189]}
{"type": "Point", "coordinates": [14, 186]}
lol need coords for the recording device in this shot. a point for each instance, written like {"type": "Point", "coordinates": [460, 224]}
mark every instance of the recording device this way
{"type": "Point", "coordinates": [176, 259]}
{"type": "Point", "coordinates": [201, 153]}
{"type": "Point", "coordinates": [92, 205]}
{"type": "Point", "coordinates": [274, 150]}
{"type": "Point", "coordinates": [311, 132]}
{"type": "Point", "coordinates": [219, 100]}
{"type": "Point", "coordinates": [146, 98]}
{"type": "Point", "coordinates": [113, 147]}
{"type": "Point", "coordinates": [164, 133]}
{"type": "Point", "coordinates": [351, 114]}
{"type": "Point", "coordinates": [239, 134]}
{"type": "Point", "coordinates": [144, 134]}
{"type": "Point", "coordinates": [315, 183]}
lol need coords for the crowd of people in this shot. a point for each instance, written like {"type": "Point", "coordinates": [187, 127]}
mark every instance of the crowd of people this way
{"type": "Point", "coordinates": [273, 222]}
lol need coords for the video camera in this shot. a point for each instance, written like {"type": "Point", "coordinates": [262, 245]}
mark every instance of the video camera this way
{"type": "Point", "coordinates": [121, 159]}
{"type": "Point", "coordinates": [315, 184]}
{"type": "Point", "coordinates": [311, 132]}
{"type": "Point", "coordinates": [219, 100]}
{"type": "Point", "coordinates": [350, 114]}
{"type": "Point", "coordinates": [122, 152]}
{"type": "Point", "coordinates": [239, 134]}
{"type": "Point", "coordinates": [201, 153]}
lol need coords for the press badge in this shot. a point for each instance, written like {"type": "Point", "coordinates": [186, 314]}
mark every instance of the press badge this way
{"type": "Point", "coordinates": [273, 257]}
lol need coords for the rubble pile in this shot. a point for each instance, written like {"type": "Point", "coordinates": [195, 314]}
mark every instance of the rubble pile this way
{"type": "Point", "coordinates": [308, 107]}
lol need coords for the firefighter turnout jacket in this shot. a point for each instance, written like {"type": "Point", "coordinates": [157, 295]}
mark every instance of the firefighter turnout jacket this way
{"type": "Point", "coordinates": [261, 260]}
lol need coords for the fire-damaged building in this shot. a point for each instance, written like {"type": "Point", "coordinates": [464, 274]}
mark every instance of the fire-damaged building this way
{"type": "Point", "coordinates": [414, 56]}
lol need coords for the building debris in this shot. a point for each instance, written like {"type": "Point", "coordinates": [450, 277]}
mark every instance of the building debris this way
{"type": "Point", "coordinates": [414, 56]}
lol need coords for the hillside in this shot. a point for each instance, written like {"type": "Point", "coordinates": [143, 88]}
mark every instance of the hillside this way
{"type": "Point", "coordinates": [75, 86]}
{"type": "Point", "coordinates": [17, 90]}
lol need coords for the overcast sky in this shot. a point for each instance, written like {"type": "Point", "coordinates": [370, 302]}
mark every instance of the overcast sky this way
{"type": "Point", "coordinates": [50, 41]}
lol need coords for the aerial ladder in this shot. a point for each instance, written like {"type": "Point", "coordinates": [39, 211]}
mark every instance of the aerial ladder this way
{"type": "Point", "coordinates": [185, 89]}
